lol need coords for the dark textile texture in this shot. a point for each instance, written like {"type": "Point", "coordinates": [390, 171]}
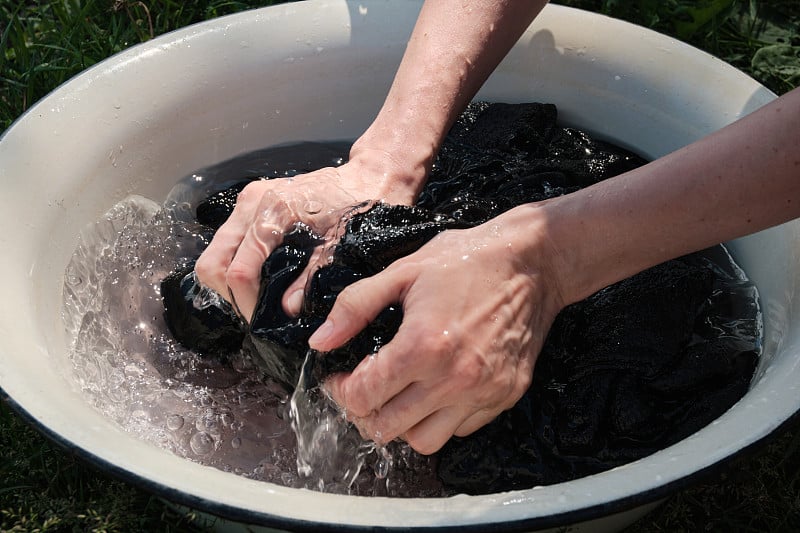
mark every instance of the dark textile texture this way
{"type": "Point", "coordinates": [630, 370]}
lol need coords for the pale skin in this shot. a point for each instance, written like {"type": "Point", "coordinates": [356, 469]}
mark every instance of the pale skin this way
{"type": "Point", "coordinates": [478, 303]}
{"type": "Point", "coordinates": [454, 47]}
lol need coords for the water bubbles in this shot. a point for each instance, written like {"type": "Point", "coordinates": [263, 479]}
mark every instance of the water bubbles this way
{"type": "Point", "coordinates": [204, 297]}
{"type": "Point", "coordinates": [208, 423]}
{"type": "Point", "coordinates": [227, 419]}
{"type": "Point", "coordinates": [383, 463]}
{"type": "Point", "coordinates": [218, 413]}
{"type": "Point", "coordinates": [174, 422]}
{"type": "Point", "coordinates": [202, 443]}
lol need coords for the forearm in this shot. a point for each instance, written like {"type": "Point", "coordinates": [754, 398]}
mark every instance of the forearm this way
{"type": "Point", "coordinates": [454, 47]}
{"type": "Point", "coordinates": [739, 180]}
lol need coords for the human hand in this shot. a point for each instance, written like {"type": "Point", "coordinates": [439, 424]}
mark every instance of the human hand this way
{"type": "Point", "coordinates": [477, 305]}
{"type": "Point", "coordinates": [265, 210]}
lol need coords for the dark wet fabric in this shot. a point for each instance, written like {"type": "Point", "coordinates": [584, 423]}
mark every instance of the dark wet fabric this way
{"type": "Point", "coordinates": [210, 330]}
{"type": "Point", "coordinates": [628, 371]}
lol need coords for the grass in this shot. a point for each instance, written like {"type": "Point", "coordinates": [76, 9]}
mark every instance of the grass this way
{"type": "Point", "coordinates": [42, 44]}
{"type": "Point", "coordinates": [43, 488]}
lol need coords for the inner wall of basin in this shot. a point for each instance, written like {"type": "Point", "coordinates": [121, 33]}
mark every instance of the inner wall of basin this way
{"type": "Point", "coordinates": [215, 109]}
{"type": "Point", "coordinates": [189, 129]}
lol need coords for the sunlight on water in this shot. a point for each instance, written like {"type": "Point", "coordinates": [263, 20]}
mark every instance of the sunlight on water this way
{"type": "Point", "coordinates": [217, 412]}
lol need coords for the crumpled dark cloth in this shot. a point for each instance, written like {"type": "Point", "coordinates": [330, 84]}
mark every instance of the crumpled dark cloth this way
{"type": "Point", "coordinates": [628, 371]}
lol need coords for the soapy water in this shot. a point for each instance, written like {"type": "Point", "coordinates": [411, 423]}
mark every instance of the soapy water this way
{"type": "Point", "coordinates": [217, 412]}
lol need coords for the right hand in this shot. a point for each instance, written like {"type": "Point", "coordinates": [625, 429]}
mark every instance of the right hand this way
{"type": "Point", "coordinates": [477, 306]}
{"type": "Point", "coordinates": [266, 210]}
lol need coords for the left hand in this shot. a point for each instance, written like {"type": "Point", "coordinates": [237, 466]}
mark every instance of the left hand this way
{"type": "Point", "coordinates": [477, 305]}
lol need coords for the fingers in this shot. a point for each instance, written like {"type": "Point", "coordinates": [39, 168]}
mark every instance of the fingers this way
{"type": "Point", "coordinates": [476, 421]}
{"type": "Point", "coordinates": [212, 265]}
{"type": "Point", "coordinates": [405, 410]}
{"type": "Point", "coordinates": [231, 265]}
{"type": "Point", "coordinates": [423, 429]}
{"type": "Point", "coordinates": [355, 307]}
{"type": "Point", "coordinates": [376, 380]}
{"type": "Point", "coordinates": [272, 219]}
{"type": "Point", "coordinates": [293, 297]}
{"type": "Point", "coordinates": [433, 432]}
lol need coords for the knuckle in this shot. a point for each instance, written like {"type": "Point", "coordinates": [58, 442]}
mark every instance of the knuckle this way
{"type": "Point", "coordinates": [250, 192]}
{"type": "Point", "coordinates": [472, 371]}
{"type": "Point", "coordinates": [443, 343]}
{"type": "Point", "coordinates": [522, 383]}
{"type": "Point", "coordinates": [205, 269]}
{"type": "Point", "coordinates": [423, 443]}
{"type": "Point", "coordinates": [354, 401]}
{"type": "Point", "coordinates": [210, 273]}
{"type": "Point", "coordinates": [476, 421]}
{"type": "Point", "coordinates": [504, 394]}
{"type": "Point", "coordinates": [348, 298]}
{"type": "Point", "coordinates": [350, 303]}
{"type": "Point", "coordinates": [381, 428]}
{"type": "Point", "coordinates": [239, 276]}
{"type": "Point", "coordinates": [518, 388]}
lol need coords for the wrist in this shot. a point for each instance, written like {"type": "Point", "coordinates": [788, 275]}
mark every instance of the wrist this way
{"type": "Point", "coordinates": [576, 254]}
{"type": "Point", "coordinates": [399, 165]}
{"type": "Point", "coordinates": [526, 234]}
{"type": "Point", "coordinates": [603, 234]}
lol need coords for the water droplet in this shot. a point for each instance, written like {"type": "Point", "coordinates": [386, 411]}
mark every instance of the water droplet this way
{"type": "Point", "coordinates": [202, 443]}
{"type": "Point", "coordinates": [175, 422]}
{"type": "Point", "coordinates": [383, 463]}
{"type": "Point", "coordinates": [236, 442]}
{"type": "Point", "coordinates": [227, 419]}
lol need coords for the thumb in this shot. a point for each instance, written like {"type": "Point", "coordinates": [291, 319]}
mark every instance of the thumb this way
{"type": "Point", "coordinates": [355, 307]}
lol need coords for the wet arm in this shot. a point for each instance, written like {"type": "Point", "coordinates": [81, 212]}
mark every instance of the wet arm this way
{"type": "Point", "coordinates": [465, 355]}
{"type": "Point", "coordinates": [739, 180]}
{"type": "Point", "coordinates": [454, 47]}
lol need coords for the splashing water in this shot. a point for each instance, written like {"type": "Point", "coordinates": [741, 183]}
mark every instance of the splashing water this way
{"type": "Point", "coordinates": [330, 452]}
{"type": "Point", "coordinates": [217, 412]}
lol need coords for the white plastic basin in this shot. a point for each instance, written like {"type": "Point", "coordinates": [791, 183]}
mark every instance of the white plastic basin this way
{"type": "Point", "coordinates": [319, 70]}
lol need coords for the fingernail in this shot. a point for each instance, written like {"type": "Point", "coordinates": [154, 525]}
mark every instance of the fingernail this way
{"type": "Point", "coordinates": [322, 333]}
{"type": "Point", "coordinates": [295, 302]}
